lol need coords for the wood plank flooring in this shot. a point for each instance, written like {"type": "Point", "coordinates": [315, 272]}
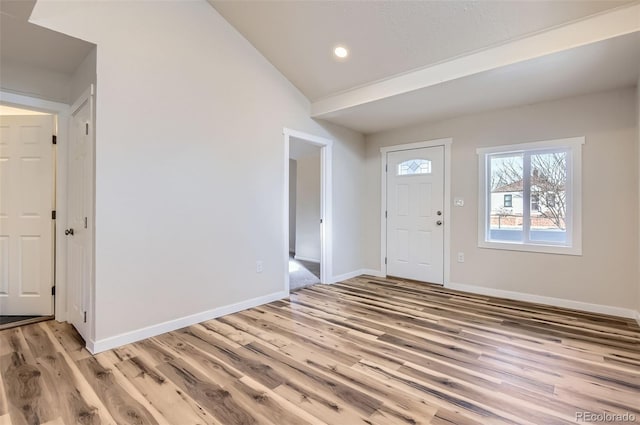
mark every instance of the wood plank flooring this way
{"type": "Point", "coordinates": [365, 351]}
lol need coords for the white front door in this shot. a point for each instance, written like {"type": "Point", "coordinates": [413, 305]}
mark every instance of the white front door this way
{"type": "Point", "coordinates": [79, 232]}
{"type": "Point", "coordinates": [26, 225]}
{"type": "Point", "coordinates": [415, 214]}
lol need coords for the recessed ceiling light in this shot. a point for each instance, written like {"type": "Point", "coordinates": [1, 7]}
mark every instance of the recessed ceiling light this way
{"type": "Point", "coordinates": [341, 52]}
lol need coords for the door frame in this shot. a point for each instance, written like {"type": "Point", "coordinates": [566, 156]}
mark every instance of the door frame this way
{"type": "Point", "coordinates": [326, 207]}
{"type": "Point", "coordinates": [61, 114]}
{"type": "Point", "coordinates": [446, 143]}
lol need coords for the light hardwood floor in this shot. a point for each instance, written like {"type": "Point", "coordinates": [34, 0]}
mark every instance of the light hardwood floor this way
{"type": "Point", "coordinates": [365, 351]}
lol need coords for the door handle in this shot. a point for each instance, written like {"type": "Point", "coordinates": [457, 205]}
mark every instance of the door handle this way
{"type": "Point", "coordinates": [68, 232]}
{"type": "Point", "coordinates": [439, 222]}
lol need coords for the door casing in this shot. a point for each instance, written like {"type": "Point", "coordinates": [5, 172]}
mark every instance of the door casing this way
{"type": "Point", "coordinates": [446, 143]}
{"type": "Point", "coordinates": [326, 255]}
{"type": "Point", "coordinates": [61, 111]}
{"type": "Point", "coordinates": [86, 327]}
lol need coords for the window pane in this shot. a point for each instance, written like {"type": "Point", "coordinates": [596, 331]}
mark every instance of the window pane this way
{"type": "Point", "coordinates": [414, 166]}
{"type": "Point", "coordinates": [506, 198]}
{"type": "Point", "coordinates": [535, 202]}
{"type": "Point", "coordinates": [548, 181]}
{"type": "Point", "coordinates": [531, 196]}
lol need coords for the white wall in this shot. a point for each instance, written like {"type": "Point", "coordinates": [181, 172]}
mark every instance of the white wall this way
{"type": "Point", "coordinates": [607, 272]}
{"type": "Point", "coordinates": [293, 180]}
{"type": "Point", "coordinates": [308, 208]}
{"type": "Point", "coordinates": [34, 82]}
{"type": "Point", "coordinates": [189, 162]}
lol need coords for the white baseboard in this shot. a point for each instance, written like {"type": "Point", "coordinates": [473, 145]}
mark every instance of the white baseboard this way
{"type": "Point", "coordinates": [346, 276]}
{"type": "Point", "coordinates": [357, 273]}
{"type": "Point", "coordinates": [372, 272]}
{"type": "Point", "coordinates": [540, 299]}
{"type": "Point", "coordinates": [139, 334]}
{"type": "Point", "coordinates": [309, 259]}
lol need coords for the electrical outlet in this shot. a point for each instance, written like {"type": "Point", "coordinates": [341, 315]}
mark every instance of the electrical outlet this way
{"type": "Point", "coordinates": [461, 257]}
{"type": "Point", "coordinates": [259, 266]}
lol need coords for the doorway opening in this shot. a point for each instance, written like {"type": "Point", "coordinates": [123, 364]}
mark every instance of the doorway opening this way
{"type": "Point", "coordinates": [304, 214]}
{"type": "Point", "coordinates": [27, 214]}
{"type": "Point", "coordinates": [307, 212]}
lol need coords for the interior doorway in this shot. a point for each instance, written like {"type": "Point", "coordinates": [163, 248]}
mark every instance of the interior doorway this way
{"type": "Point", "coordinates": [304, 214]}
{"type": "Point", "coordinates": [307, 213]}
{"type": "Point", "coordinates": [27, 215]}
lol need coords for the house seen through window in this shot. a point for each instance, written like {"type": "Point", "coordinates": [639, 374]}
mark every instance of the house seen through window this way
{"type": "Point", "coordinates": [529, 196]}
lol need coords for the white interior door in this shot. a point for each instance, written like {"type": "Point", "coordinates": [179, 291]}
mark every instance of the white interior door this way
{"type": "Point", "coordinates": [415, 214]}
{"type": "Point", "coordinates": [26, 225]}
{"type": "Point", "coordinates": [79, 232]}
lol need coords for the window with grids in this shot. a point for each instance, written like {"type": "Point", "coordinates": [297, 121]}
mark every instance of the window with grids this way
{"type": "Point", "coordinates": [414, 166]}
{"type": "Point", "coordinates": [530, 196]}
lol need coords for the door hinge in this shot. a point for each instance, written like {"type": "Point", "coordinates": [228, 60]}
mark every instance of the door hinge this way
{"type": "Point", "coordinates": [86, 128]}
{"type": "Point", "coordinates": [85, 222]}
{"type": "Point", "coordinates": [385, 260]}
{"type": "Point", "coordinates": [53, 290]}
{"type": "Point", "coordinates": [386, 214]}
{"type": "Point", "coordinates": [85, 317]}
{"type": "Point", "coordinates": [54, 139]}
{"type": "Point", "coordinates": [53, 215]}
{"type": "Point", "coordinates": [386, 168]}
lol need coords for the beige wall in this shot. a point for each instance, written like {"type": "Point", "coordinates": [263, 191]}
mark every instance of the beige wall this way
{"type": "Point", "coordinates": [190, 184]}
{"type": "Point", "coordinates": [638, 126]}
{"type": "Point", "coordinates": [35, 82]}
{"type": "Point", "coordinates": [308, 208]}
{"type": "Point", "coordinates": [607, 272]}
{"type": "Point", "coordinates": [83, 76]}
{"type": "Point", "coordinates": [45, 84]}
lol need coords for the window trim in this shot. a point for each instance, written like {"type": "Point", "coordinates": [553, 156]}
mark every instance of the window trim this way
{"type": "Point", "coordinates": [574, 195]}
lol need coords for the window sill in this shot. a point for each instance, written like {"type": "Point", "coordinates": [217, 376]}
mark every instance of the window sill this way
{"type": "Point", "coordinates": [544, 249]}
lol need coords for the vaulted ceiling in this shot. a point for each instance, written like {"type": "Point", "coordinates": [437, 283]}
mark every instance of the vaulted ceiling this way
{"type": "Point", "coordinates": [385, 38]}
{"type": "Point", "coordinates": [413, 61]}
{"type": "Point", "coordinates": [409, 61]}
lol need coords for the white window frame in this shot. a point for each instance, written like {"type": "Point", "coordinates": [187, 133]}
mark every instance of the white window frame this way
{"type": "Point", "coordinates": [573, 189]}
